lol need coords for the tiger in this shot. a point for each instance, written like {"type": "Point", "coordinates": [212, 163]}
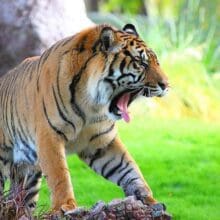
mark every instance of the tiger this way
{"type": "Point", "coordinates": [67, 101]}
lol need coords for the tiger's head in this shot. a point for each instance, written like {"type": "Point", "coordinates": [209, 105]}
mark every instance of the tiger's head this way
{"type": "Point", "coordinates": [129, 68]}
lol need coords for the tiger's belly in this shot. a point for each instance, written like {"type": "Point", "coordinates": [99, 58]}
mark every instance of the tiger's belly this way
{"type": "Point", "coordinates": [24, 151]}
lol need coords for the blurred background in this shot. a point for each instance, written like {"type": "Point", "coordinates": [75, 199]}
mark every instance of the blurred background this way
{"type": "Point", "coordinates": [175, 139]}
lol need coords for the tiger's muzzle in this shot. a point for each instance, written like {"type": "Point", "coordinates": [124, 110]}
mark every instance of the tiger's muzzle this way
{"type": "Point", "coordinates": [158, 90]}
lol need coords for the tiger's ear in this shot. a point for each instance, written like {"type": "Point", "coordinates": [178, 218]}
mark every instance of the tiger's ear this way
{"type": "Point", "coordinates": [107, 38]}
{"type": "Point", "coordinates": [130, 28]}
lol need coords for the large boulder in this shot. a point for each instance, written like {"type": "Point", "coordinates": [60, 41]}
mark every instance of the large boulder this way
{"type": "Point", "coordinates": [28, 27]}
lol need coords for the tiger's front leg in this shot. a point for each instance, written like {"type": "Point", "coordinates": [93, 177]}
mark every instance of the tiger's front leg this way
{"type": "Point", "coordinates": [115, 163]}
{"type": "Point", "coordinates": [53, 164]}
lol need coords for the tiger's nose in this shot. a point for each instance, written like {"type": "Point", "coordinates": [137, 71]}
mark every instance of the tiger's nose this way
{"type": "Point", "coordinates": [163, 84]}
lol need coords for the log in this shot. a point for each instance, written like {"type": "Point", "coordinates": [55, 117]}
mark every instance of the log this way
{"type": "Point", "coordinates": [121, 209]}
{"type": "Point", "coordinates": [12, 207]}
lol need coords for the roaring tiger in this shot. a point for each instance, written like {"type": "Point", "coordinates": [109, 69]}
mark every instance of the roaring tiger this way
{"type": "Point", "coordinates": [67, 101]}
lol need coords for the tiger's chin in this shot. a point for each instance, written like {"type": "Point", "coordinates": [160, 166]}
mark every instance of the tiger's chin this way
{"type": "Point", "coordinates": [118, 108]}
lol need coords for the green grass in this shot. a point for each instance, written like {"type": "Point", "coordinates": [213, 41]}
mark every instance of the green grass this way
{"type": "Point", "coordinates": [179, 159]}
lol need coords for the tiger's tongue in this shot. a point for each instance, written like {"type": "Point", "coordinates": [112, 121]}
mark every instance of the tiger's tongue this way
{"type": "Point", "coordinates": [122, 104]}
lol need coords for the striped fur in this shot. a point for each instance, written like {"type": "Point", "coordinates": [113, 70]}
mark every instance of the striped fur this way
{"type": "Point", "coordinates": [66, 101]}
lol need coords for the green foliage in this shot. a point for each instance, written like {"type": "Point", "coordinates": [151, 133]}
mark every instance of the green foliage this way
{"type": "Point", "coordinates": [120, 6]}
{"type": "Point", "coordinates": [179, 159]}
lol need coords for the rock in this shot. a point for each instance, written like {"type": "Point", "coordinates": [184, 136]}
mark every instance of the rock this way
{"type": "Point", "coordinates": [28, 27]}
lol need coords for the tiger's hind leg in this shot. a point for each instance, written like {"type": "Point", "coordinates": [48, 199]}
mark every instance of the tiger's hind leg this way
{"type": "Point", "coordinates": [5, 161]}
{"type": "Point", "coordinates": [2, 182]}
{"type": "Point", "coordinates": [26, 180]}
{"type": "Point", "coordinates": [5, 164]}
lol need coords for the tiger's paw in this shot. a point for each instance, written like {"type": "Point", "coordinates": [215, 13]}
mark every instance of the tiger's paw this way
{"type": "Point", "coordinates": [154, 204]}
{"type": "Point", "coordinates": [68, 207]}
{"type": "Point", "coordinates": [158, 207]}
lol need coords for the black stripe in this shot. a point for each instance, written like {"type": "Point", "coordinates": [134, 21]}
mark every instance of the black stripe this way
{"type": "Point", "coordinates": [19, 123]}
{"type": "Point", "coordinates": [141, 75]}
{"type": "Point", "coordinates": [1, 176]}
{"type": "Point", "coordinates": [31, 69]}
{"type": "Point", "coordinates": [68, 40]}
{"type": "Point", "coordinates": [4, 161]}
{"type": "Point", "coordinates": [139, 41]}
{"type": "Point", "coordinates": [2, 183]}
{"type": "Point", "coordinates": [127, 53]}
{"type": "Point", "coordinates": [127, 75]}
{"type": "Point", "coordinates": [102, 133]}
{"type": "Point", "coordinates": [32, 205]}
{"type": "Point", "coordinates": [6, 147]}
{"type": "Point", "coordinates": [12, 117]}
{"type": "Point", "coordinates": [41, 61]}
{"type": "Point", "coordinates": [125, 38]}
{"type": "Point", "coordinates": [8, 90]}
{"type": "Point", "coordinates": [58, 89]}
{"type": "Point", "coordinates": [113, 170]}
{"type": "Point", "coordinates": [34, 180]}
{"type": "Point", "coordinates": [94, 47]}
{"type": "Point", "coordinates": [45, 55]}
{"type": "Point", "coordinates": [30, 154]}
{"type": "Point", "coordinates": [123, 176]}
{"type": "Point", "coordinates": [57, 45]}
{"type": "Point", "coordinates": [72, 88]}
{"type": "Point", "coordinates": [64, 118]}
{"type": "Point", "coordinates": [81, 46]}
{"type": "Point", "coordinates": [25, 71]}
{"type": "Point", "coordinates": [28, 132]}
{"type": "Point", "coordinates": [99, 153]}
{"type": "Point", "coordinates": [123, 168]}
{"type": "Point", "coordinates": [99, 119]}
{"type": "Point", "coordinates": [26, 154]}
{"type": "Point", "coordinates": [30, 195]}
{"type": "Point", "coordinates": [74, 105]}
{"type": "Point", "coordinates": [111, 70]}
{"type": "Point", "coordinates": [51, 125]}
{"type": "Point", "coordinates": [131, 180]}
{"type": "Point", "coordinates": [105, 165]}
{"type": "Point", "coordinates": [141, 51]}
{"type": "Point", "coordinates": [122, 65]}
{"type": "Point", "coordinates": [6, 118]}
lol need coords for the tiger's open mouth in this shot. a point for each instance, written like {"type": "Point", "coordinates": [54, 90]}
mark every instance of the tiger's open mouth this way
{"type": "Point", "coordinates": [119, 104]}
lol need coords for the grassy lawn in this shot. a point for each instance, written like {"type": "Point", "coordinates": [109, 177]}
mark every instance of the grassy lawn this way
{"type": "Point", "coordinates": [179, 159]}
